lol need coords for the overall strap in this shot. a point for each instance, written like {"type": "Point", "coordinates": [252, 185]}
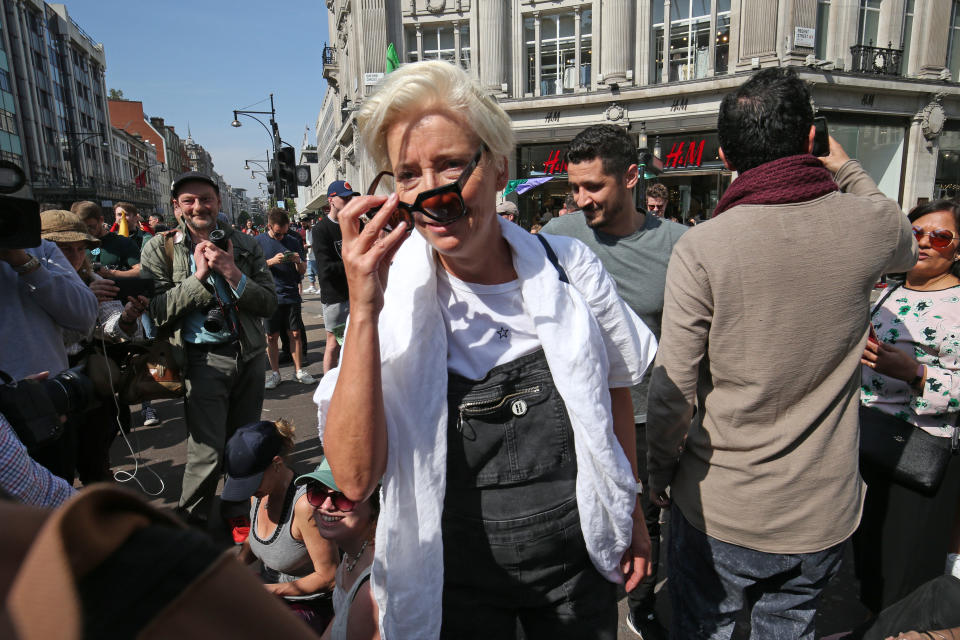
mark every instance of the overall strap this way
{"type": "Point", "coordinates": [553, 258]}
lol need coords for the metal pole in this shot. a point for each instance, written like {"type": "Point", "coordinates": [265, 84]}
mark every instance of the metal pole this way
{"type": "Point", "coordinates": [276, 152]}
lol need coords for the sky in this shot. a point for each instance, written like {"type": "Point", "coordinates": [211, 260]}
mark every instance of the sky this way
{"type": "Point", "coordinates": [193, 63]}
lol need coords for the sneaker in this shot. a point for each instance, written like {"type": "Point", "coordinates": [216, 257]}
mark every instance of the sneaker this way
{"type": "Point", "coordinates": [646, 625]}
{"type": "Point", "coordinates": [150, 418]}
{"type": "Point", "coordinates": [272, 381]}
{"type": "Point", "coordinates": [310, 290]}
{"type": "Point", "coordinates": [304, 378]}
{"type": "Point", "coordinates": [239, 528]}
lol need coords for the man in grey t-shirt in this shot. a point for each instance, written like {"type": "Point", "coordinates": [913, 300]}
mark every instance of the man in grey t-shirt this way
{"type": "Point", "coordinates": [635, 248]}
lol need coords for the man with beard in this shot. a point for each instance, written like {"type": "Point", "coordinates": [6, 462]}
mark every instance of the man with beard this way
{"type": "Point", "coordinates": [222, 366]}
{"type": "Point", "coordinates": [634, 248]}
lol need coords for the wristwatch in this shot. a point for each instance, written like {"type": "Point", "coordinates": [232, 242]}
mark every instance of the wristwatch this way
{"type": "Point", "coordinates": [27, 267]}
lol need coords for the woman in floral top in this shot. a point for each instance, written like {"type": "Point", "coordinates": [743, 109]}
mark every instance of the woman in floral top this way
{"type": "Point", "coordinates": [913, 372]}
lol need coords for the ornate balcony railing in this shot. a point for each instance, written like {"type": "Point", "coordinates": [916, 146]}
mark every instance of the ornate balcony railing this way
{"type": "Point", "coordinates": [876, 60]}
{"type": "Point", "coordinates": [329, 55]}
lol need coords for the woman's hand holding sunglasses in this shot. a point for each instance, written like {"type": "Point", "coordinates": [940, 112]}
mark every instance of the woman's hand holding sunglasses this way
{"type": "Point", "coordinates": [368, 252]}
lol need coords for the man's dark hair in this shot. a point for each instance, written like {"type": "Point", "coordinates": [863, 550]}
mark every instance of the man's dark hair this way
{"type": "Point", "coordinates": [658, 190]}
{"type": "Point", "coordinates": [87, 209]}
{"type": "Point", "coordinates": [609, 143]}
{"type": "Point", "coordinates": [276, 215]}
{"type": "Point", "coordinates": [766, 119]}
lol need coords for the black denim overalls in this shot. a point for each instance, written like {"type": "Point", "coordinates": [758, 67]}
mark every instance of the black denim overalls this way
{"type": "Point", "coordinates": [514, 553]}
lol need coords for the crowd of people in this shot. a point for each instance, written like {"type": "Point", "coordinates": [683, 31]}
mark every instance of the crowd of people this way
{"type": "Point", "coordinates": [509, 418]}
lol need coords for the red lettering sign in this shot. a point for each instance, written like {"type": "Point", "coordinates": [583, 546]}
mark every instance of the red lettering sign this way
{"type": "Point", "coordinates": [554, 163]}
{"type": "Point", "coordinates": [692, 158]}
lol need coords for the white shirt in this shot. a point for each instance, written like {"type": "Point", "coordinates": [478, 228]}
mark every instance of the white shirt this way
{"type": "Point", "coordinates": [486, 325]}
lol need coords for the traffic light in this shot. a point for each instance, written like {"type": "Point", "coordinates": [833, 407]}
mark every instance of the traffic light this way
{"type": "Point", "coordinates": [271, 187]}
{"type": "Point", "coordinates": [651, 165]}
{"type": "Point", "coordinates": [286, 158]}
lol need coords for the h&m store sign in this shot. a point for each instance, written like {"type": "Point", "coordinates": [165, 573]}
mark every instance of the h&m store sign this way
{"type": "Point", "coordinates": [690, 151]}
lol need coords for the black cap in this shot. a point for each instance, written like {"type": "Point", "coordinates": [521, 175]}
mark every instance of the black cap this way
{"type": "Point", "coordinates": [247, 456]}
{"type": "Point", "coordinates": [193, 176]}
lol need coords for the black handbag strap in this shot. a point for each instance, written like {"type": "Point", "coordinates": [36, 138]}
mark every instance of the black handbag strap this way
{"type": "Point", "coordinates": [553, 258]}
{"type": "Point", "coordinates": [884, 297]}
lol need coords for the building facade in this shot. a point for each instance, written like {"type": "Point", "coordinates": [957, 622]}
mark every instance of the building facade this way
{"type": "Point", "coordinates": [53, 116]}
{"type": "Point", "coordinates": [883, 72]}
{"type": "Point", "coordinates": [136, 168]}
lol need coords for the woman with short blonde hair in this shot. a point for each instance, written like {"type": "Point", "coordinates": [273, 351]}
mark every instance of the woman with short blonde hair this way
{"type": "Point", "coordinates": [488, 385]}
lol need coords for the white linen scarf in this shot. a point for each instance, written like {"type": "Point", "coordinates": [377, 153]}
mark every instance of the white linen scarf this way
{"type": "Point", "coordinates": [408, 563]}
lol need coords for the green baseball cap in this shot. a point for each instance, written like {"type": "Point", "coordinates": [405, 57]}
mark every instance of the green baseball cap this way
{"type": "Point", "coordinates": [321, 474]}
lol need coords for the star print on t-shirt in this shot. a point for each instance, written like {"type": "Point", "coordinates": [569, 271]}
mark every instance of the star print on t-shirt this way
{"type": "Point", "coordinates": [503, 332]}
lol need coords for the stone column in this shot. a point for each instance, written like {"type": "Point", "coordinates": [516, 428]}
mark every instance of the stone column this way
{"type": "Point", "coordinates": [712, 42]}
{"type": "Point", "coordinates": [576, 52]}
{"type": "Point", "coordinates": [518, 52]}
{"type": "Point", "coordinates": [665, 72]}
{"type": "Point", "coordinates": [932, 48]}
{"type": "Point", "coordinates": [891, 23]}
{"type": "Point", "coordinates": [419, 42]}
{"type": "Point", "coordinates": [456, 42]}
{"type": "Point", "coordinates": [615, 56]}
{"type": "Point", "coordinates": [536, 53]}
{"type": "Point", "coordinates": [641, 72]}
{"type": "Point", "coordinates": [920, 171]}
{"type": "Point", "coordinates": [842, 31]}
{"type": "Point", "coordinates": [493, 26]}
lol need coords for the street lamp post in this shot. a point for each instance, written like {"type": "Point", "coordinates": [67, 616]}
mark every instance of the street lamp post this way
{"type": "Point", "coordinates": [273, 131]}
{"type": "Point", "coordinates": [73, 150]}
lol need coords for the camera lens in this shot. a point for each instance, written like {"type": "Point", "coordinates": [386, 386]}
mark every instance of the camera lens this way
{"type": "Point", "coordinates": [219, 238]}
{"type": "Point", "coordinates": [214, 321]}
{"type": "Point", "coordinates": [71, 391]}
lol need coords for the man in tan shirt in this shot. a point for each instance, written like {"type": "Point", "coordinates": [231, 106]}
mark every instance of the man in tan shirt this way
{"type": "Point", "coordinates": [765, 317]}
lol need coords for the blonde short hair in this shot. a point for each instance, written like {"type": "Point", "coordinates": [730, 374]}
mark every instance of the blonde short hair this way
{"type": "Point", "coordinates": [433, 85]}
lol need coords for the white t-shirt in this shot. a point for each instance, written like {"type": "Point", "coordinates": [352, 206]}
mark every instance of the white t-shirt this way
{"type": "Point", "coordinates": [486, 324]}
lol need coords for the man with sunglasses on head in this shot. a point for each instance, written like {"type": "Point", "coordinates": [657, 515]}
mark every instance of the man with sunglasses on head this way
{"type": "Point", "coordinates": [752, 417]}
{"type": "Point", "coordinates": [634, 247]}
{"type": "Point", "coordinates": [327, 244]}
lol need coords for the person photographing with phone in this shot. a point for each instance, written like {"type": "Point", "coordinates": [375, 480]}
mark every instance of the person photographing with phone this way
{"type": "Point", "coordinates": [287, 264]}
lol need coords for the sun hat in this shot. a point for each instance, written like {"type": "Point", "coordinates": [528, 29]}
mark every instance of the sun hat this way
{"type": "Point", "coordinates": [57, 225]}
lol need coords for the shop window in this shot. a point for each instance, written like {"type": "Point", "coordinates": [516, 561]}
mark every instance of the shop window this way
{"type": "Point", "coordinates": [559, 72]}
{"type": "Point", "coordinates": [823, 26]}
{"type": "Point", "coordinates": [947, 183]}
{"type": "Point", "coordinates": [688, 49]}
{"type": "Point", "coordinates": [879, 148]}
{"type": "Point", "coordinates": [869, 22]}
{"type": "Point", "coordinates": [953, 50]}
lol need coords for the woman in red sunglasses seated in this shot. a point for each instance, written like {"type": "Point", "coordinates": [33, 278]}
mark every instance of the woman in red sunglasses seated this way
{"type": "Point", "coordinates": [487, 385]}
{"type": "Point", "coordinates": [911, 370]}
{"type": "Point", "coordinates": [352, 526]}
{"type": "Point", "coordinates": [297, 563]}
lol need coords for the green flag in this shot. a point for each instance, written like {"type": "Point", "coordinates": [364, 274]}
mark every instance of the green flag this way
{"type": "Point", "coordinates": [393, 62]}
{"type": "Point", "coordinates": [512, 186]}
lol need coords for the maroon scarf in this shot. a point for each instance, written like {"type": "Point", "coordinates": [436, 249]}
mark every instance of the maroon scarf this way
{"type": "Point", "coordinates": [784, 181]}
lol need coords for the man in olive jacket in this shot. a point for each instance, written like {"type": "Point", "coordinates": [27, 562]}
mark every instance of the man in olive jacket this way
{"type": "Point", "coordinates": [222, 366]}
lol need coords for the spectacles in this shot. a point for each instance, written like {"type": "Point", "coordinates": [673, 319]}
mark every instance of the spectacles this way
{"type": "Point", "coordinates": [317, 494]}
{"type": "Point", "coordinates": [939, 239]}
{"type": "Point", "coordinates": [443, 204]}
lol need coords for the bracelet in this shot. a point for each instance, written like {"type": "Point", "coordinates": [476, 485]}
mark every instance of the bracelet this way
{"type": "Point", "coordinates": [921, 370]}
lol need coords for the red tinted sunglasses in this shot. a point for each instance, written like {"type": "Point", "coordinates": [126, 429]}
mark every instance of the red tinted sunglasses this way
{"type": "Point", "coordinates": [939, 239]}
{"type": "Point", "coordinates": [444, 204]}
{"type": "Point", "coordinates": [317, 494]}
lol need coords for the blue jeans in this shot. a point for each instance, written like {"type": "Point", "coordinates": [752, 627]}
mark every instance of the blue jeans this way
{"type": "Point", "coordinates": [312, 274]}
{"type": "Point", "coordinates": [712, 581]}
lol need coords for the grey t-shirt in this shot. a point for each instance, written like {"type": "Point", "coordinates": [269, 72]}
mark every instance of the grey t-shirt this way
{"type": "Point", "coordinates": [638, 264]}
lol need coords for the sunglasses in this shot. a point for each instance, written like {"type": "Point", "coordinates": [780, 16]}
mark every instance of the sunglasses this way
{"type": "Point", "coordinates": [939, 239]}
{"type": "Point", "coordinates": [317, 494]}
{"type": "Point", "coordinates": [443, 204]}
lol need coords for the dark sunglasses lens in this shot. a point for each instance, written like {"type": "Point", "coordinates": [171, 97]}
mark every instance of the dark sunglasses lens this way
{"type": "Point", "coordinates": [316, 495]}
{"type": "Point", "coordinates": [398, 216]}
{"type": "Point", "coordinates": [940, 239]}
{"type": "Point", "coordinates": [342, 503]}
{"type": "Point", "coordinates": [444, 207]}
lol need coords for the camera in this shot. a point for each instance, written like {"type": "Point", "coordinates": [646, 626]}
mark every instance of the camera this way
{"type": "Point", "coordinates": [219, 238]}
{"type": "Point", "coordinates": [19, 217]}
{"type": "Point", "coordinates": [214, 322]}
{"type": "Point", "coordinates": [34, 407]}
